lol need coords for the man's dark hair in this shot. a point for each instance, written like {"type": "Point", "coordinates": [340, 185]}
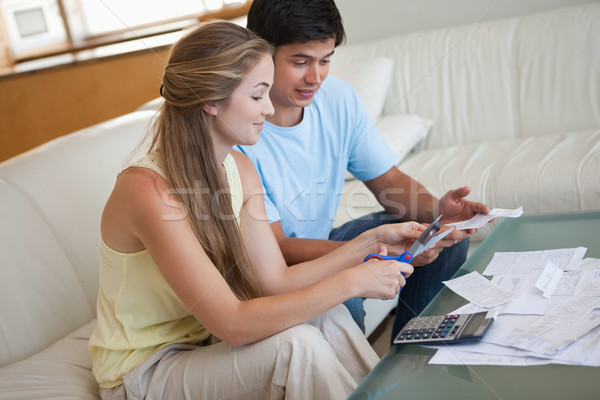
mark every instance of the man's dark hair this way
{"type": "Point", "coordinates": [296, 21]}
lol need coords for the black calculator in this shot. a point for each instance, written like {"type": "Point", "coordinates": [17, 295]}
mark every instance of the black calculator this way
{"type": "Point", "coordinates": [445, 328]}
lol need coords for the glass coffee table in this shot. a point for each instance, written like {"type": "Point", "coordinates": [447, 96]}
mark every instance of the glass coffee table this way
{"type": "Point", "coordinates": [404, 372]}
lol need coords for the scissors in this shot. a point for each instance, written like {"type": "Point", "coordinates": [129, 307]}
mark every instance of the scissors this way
{"type": "Point", "coordinates": [419, 246]}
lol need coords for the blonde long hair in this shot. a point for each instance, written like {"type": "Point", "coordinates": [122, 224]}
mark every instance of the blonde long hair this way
{"type": "Point", "coordinates": [205, 67]}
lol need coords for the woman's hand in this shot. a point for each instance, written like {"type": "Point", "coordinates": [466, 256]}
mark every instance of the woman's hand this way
{"type": "Point", "coordinates": [395, 239]}
{"type": "Point", "coordinates": [381, 279]}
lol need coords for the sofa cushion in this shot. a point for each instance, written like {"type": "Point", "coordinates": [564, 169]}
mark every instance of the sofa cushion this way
{"type": "Point", "coordinates": [61, 371]}
{"type": "Point", "coordinates": [52, 198]}
{"type": "Point", "coordinates": [529, 172]}
{"type": "Point", "coordinates": [403, 133]}
{"type": "Point", "coordinates": [152, 105]}
{"type": "Point", "coordinates": [552, 173]}
{"type": "Point", "coordinates": [504, 79]}
{"type": "Point", "coordinates": [371, 80]}
{"type": "Point", "coordinates": [41, 294]}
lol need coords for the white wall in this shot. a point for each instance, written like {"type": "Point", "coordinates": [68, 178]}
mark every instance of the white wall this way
{"type": "Point", "coordinates": [366, 20]}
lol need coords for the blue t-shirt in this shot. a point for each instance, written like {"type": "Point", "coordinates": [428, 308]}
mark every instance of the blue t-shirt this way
{"type": "Point", "coordinates": [303, 167]}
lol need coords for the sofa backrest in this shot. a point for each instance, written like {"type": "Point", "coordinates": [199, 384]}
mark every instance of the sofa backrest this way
{"type": "Point", "coordinates": [525, 76]}
{"type": "Point", "coordinates": [51, 200]}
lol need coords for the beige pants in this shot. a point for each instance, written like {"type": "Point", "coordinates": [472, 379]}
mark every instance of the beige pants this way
{"type": "Point", "coordinates": [324, 358]}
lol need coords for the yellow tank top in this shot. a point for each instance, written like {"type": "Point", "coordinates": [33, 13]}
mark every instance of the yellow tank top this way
{"type": "Point", "coordinates": [138, 312]}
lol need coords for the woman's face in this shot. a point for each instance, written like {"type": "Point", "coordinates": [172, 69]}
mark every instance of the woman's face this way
{"type": "Point", "coordinates": [239, 120]}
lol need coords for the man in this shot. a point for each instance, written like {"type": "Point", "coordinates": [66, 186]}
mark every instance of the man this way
{"type": "Point", "coordinates": [319, 130]}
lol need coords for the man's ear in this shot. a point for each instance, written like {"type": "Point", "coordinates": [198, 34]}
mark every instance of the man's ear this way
{"type": "Point", "coordinates": [210, 109]}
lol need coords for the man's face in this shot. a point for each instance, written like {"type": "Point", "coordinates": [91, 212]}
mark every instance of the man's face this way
{"type": "Point", "coordinates": [300, 68]}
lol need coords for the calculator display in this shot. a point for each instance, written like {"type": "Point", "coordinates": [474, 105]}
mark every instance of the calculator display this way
{"type": "Point", "coordinates": [473, 324]}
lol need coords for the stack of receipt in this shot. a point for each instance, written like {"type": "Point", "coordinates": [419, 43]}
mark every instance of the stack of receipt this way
{"type": "Point", "coordinates": [548, 310]}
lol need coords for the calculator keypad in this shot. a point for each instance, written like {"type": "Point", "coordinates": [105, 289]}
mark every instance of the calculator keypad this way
{"type": "Point", "coordinates": [433, 328]}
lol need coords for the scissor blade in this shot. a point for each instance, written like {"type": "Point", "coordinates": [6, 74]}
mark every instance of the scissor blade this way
{"type": "Point", "coordinates": [420, 245]}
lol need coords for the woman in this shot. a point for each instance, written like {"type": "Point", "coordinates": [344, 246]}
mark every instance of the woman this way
{"type": "Point", "coordinates": [187, 252]}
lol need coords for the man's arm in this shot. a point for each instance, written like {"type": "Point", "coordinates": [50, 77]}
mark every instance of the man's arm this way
{"type": "Point", "coordinates": [398, 193]}
{"type": "Point", "coordinates": [403, 197]}
{"type": "Point", "coordinates": [297, 250]}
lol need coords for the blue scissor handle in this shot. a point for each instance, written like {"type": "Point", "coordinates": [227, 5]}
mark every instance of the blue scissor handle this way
{"type": "Point", "coordinates": [405, 257]}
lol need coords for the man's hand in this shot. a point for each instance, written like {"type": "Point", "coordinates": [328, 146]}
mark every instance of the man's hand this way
{"type": "Point", "coordinates": [427, 257]}
{"type": "Point", "coordinates": [454, 208]}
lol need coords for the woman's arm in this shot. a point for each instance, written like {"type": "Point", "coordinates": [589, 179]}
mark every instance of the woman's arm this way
{"type": "Point", "coordinates": [266, 257]}
{"type": "Point", "coordinates": [142, 211]}
{"type": "Point", "coordinates": [296, 250]}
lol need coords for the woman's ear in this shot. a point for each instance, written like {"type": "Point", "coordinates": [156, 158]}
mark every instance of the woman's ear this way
{"type": "Point", "coordinates": [210, 109]}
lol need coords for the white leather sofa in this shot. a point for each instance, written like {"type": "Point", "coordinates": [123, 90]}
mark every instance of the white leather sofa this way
{"type": "Point", "coordinates": [510, 107]}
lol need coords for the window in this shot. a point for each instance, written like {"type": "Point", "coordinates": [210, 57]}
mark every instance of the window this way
{"type": "Point", "coordinates": [102, 17]}
{"type": "Point", "coordinates": [38, 27]}
{"type": "Point", "coordinates": [32, 24]}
